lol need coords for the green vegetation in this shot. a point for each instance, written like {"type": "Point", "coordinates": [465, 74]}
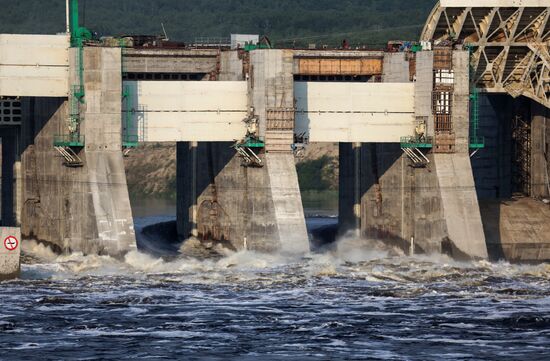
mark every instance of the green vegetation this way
{"type": "Point", "coordinates": [318, 174]}
{"type": "Point", "coordinates": [287, 22]}
{"type": "Point", "coordinates": [320, 201]}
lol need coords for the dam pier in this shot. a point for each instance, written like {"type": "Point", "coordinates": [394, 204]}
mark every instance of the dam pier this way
{"type": "Point", "coordinates": [442, 142]}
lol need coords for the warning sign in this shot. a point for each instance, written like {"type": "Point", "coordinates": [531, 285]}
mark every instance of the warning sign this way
{"type": "Point", "coordinates": [11, 243]}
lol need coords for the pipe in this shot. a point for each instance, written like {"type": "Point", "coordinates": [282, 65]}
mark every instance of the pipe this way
{"type": "Point", "coordinates": [75, 21]}
{"type": "Point", "coordinates": [357, 187]}
{"type": "Point", "coordinates": [413, 156]}
{"type": "Point", "coordinates": [255, 156]}
{"type": "Point", "coordinates": [422, 154]}
{"type": "Point", "coordinates": [68, 18]}
{"type": "Point", "coordinates": [194, 195]}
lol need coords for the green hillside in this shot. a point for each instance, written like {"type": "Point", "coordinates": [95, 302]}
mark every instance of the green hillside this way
{"type": "Point", "coordinates": [285, 21]}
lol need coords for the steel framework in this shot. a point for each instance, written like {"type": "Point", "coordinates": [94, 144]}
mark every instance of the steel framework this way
{"type": "Point", "coordinates": [509, 44]}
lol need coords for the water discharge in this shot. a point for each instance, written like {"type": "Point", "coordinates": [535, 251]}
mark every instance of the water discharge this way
{"type": "Point", "coordinates": [358, 301]}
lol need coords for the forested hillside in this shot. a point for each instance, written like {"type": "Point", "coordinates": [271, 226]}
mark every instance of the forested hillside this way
{"type": "Point", "coordinates": [285, 21]}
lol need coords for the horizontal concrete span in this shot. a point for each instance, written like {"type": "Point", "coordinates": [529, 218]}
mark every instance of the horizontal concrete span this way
{"type": "Point", "coordinates": [34, 65]}
{"type": "Point", "coordinates": [167, 111]}
{"type": "Point", "coordinates": [354, 112]}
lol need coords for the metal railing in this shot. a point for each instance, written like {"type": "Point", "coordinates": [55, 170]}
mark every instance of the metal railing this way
{"type": "Point", "coordinates": [212, 41]}
{"type": "Point", "coordinates": [69, 140]}
{"type": "Point", "coordinates": [414, 142]}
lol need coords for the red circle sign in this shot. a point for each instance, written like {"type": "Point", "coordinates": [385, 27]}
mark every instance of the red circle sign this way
{"type": "Point", "coordinates": [11, 243]}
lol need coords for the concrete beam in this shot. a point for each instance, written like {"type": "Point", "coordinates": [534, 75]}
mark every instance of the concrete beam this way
{"type": "Point", "coordinates": [170, 61]}
{"type": "Point", "coordinates": [168, 111]}
{"type": "Point", "coordinates": [34, 65]}
{"type": "Point", "coordinates": [355, 112]}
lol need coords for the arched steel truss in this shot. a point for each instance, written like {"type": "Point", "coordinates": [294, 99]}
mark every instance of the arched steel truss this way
{"type": "Point", "coordinates": [509, 44]}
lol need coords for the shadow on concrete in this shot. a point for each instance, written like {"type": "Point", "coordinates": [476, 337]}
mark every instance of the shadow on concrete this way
{"type": "Point", "coordinates": [159, 240]}
{"type": "Point", "coordinates": [491, 218]}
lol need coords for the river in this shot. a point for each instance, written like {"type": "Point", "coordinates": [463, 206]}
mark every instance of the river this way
{"type": "Point", "coordinates": [358, 302]}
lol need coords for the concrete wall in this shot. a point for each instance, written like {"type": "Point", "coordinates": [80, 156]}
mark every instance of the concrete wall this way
{"type": "Point", "coordinates": [231, 66]}
{"type": "Point", "coordinates": [397, 202]}
{"type": "Point", "coordinates": [515, 223]}
{"type": "Point", "coordinates": [211, 178]}
{"type": "Point", "coordinates": [423, 88]}
{"type": "Point", "coordinates": [10, 253]}
{"type": "Point", "coordinates": [400, 202]}
{"type": "Point", "coordinates": [540, 159]}
{"type": "Point", "coordinates": [517, 229]}
{"type": "Point", "coordinates": [396, 68]}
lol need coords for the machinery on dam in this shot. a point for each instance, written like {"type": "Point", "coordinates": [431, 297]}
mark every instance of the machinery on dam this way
{"type": "Point", "coordinates": [443, 144]}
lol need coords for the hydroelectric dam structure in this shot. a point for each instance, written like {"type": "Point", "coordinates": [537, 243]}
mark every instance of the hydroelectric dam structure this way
{"type": "Point", "coordinates": [443, 144]}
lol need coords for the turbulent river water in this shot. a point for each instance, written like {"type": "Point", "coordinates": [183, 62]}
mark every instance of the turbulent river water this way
{"type": "Point", "coordinates": [360, 301]}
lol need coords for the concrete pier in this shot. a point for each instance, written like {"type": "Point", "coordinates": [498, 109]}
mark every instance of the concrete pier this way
{"type": "Point", "coordinates": [435, 207]}
{"type": "Point", "coordinates": [86, 208]}
{"type": "Point", "coordinates": [257, 208]}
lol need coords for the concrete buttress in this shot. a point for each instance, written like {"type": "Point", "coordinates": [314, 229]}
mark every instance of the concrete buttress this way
{"type": "Point", "coordinates": [255, 208]}
{"type": "Point", "coordinates": [83, 209]}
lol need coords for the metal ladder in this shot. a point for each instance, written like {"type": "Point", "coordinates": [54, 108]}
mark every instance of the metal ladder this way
{"type": "Point", "coordinates": [418, 159]}
{"type": "Point", "coordinates": [250, 159]}
{"type": "Point", "coordinates": [72, 160]}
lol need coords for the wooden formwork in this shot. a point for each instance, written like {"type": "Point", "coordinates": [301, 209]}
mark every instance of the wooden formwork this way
{"type": "Point", "coordinates": [280, 119]}
{"type": "Point", "coordinates": [279, 135]}
{"type": "Point", "coordinates": [412, 66]}
{"type": "Point", "coordinates": [445, 142]}
{"type": "Point", "coordinates": [353, 67]}
{"type": "Point", "coordinates": [443, 58]}
{"type": "Point", "coordinates": [442, 98]}
{"type": "Point", "coordinates": [443, 123]}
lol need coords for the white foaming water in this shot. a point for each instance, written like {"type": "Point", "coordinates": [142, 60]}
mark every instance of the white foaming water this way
{"type": "Point", "coordinates": [366, 257]}
{"type": "Point", "coordinates": [360, 301]}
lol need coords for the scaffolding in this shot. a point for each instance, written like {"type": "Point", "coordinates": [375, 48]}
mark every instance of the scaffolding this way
{"type": "Point", "coordinates": [521, 140]}
{"type": "Point", "coordinates": [476, 141]}
{"type": "Point", "coordinates": [70, 143]}
{"type": "Point", "coordinates": [130, 128]}
{"type": "Point", "coordinates": [249, 149]}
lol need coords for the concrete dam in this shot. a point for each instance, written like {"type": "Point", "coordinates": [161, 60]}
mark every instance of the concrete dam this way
{"type": "Point", "coordinates": [443, 143]}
